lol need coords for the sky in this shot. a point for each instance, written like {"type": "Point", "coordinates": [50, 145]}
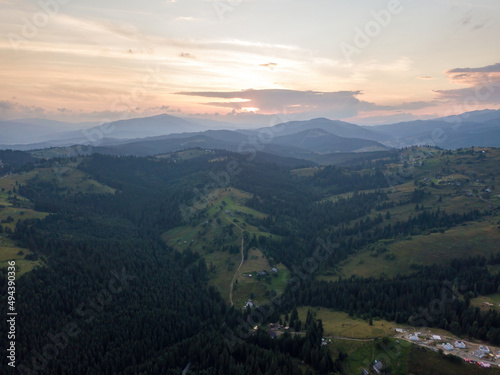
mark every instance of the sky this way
{"type": "Point", "coordinates": [248, 61]}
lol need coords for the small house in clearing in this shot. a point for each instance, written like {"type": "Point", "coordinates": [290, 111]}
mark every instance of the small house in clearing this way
{"type": "Point", "coordinates": [448, 346]}
{"type": "Point", "coordinates": [484, 349]}
{"type": "Point", "coordinates": [460, 344]}
{"type": "Point", "coordinates": [377, 367]}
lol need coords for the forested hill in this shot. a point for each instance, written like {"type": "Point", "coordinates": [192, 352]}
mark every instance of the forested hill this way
{"type": "Point", "coordinates": [110, 297]}
{"type": "Point", "coordinates": [10, 160]}
{"type": "Point", "coordinates": [125, 263]}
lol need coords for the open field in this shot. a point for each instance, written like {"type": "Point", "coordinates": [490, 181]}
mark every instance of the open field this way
{"type": "Point", "coordinates": [74, 180]}
{"type": "Point", "coordinates": [255, 287]}
{"type": "Point", "coordinates": [405, 358]}
{"type": "Point", "coordinates": [9, 251]}
{"type": "Point", "coordinates": [475, 238]}
{"type": "Point", "coordinates": [491, 301]}
{"type": "Point", "coordinates": [364, 344]}
{"type": "Point", "coordinates": [208, 235]}
{"type": "Point", "coordinates": [305, 172]}
{"type": "Point", "coordinates": [456, 183]}
{"type": "Point", "coordinates": [20, 208]}
{"type": "Point", "coordinates": [390, 353]}
{"type": "Point", "coordinates": [14, 207]}
{"type": "Point", "coordinates": [340, 324]}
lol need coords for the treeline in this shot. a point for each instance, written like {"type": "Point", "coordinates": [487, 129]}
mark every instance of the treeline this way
{"type": "Point", "coordinates": [434, 296]}
{"type": "Point", "coordinates": [346, 224]}
{"type": "Point", "coordinates": [15, 161]}
{"type": "Point", "coordinates": [336, 180]}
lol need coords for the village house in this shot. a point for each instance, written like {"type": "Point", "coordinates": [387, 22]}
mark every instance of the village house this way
{"type": "Point", "coordinates": [484, 349]}
{"type": "Point", "coordinates": [377, 367]}
{"type": "Point", "coordinates": [448, 346]}
{"type": "Point", "coordinates": [460, 344]}
{"type": "Point", "coordinates": [478, 354]}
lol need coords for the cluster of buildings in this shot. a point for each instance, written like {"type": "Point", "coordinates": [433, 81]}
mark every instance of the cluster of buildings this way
{"type": "Point", "coordinates": [450, 347]}
{"type": "Point", "coordinates": [484, 352]}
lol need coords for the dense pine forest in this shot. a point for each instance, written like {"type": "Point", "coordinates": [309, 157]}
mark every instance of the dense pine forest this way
{"type": "Point", "coordinates": [110, 296]}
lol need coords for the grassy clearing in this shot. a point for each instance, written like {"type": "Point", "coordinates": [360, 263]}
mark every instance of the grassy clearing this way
{"type": "Point", "coordinates": [256, 287]}
{"type": "Point", "coordinates": [477, 238]}
{"type": "Point", "coordinates": [225, 207]}
{"type": "Point", "coordinates": [185, 155]}
{"type": "Point", "coordinates": [305, 172]}
{"type": "Point", "coordinates": [484, 302]}
{"type": "Point", "coordinates": [391, 354]}
{"type": "Point", "coordinates": [12, 210]}
{"type": "Point", "coordinates": [20, 209]}
{"type": "Point", "coordinates": [64, 176]}
{"type": "Point", "coordinates": [340, 324]}
{"type": "Point", "coordinates": [404, 358]}
{"type": "Point", "coordinates": [424, 362]}
{"type": "Point", "coordinates": [74, 180]}
{"type": "Point", "coordinates": [9, 251]}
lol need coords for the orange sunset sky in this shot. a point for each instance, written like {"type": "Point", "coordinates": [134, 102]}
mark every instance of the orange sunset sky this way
{"type": "Point", "coordinates": [366, 62]}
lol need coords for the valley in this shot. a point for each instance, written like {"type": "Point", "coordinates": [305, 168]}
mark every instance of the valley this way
{"type": "Point", "coordinates": [421, 220]}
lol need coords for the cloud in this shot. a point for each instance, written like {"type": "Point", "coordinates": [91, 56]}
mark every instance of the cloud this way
{"type": "Point", "coordinates": [495, 68]}
{"type": "Point", "coordinates": [182, 18]}
{"type": "Point", "coordinates": [483, 85]}
{"type": "Point", "coordinates": [269, 65]}
{"type": "Point", "coordinates": [338, 104]}
{"type": "Point", "coordinates": [12, 110]}
{"type": "Point", "coordinates": [425, 77]}
{"type": "Point", "coordinates": [469, 21]}
{"type": "Point", "coordinates": [187, 55]}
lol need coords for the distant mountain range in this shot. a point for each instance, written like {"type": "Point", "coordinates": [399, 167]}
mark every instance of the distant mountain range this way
{"type": "Point", "coordinates": [297, 139]}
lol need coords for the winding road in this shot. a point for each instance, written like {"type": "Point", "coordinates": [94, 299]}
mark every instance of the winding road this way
{"type": "Point", "coordinates": [239, 267]}
{"type": "Point", "coordinates": [236, 274]}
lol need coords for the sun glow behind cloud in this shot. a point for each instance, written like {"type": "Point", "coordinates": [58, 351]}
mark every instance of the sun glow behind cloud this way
{"type": "Point", "coordinates": [89, 56]}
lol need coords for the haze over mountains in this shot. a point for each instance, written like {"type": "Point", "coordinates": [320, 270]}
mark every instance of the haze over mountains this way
{"type": "Point", "coordinates": [166, 133]}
